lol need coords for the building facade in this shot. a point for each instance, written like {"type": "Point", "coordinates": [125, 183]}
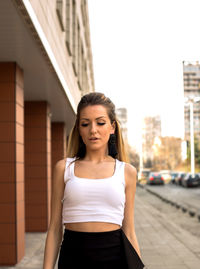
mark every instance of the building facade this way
{"type": "Point", "coordinates": [122, 117]}
{"type": "Point", "coordinates": [167, 153]}
{"type": "Point", "coordinates": [150, 130]}
{"type": "Point", "coordinates": [45, 68]}
{"type": "Point", "coordinates": [191, 76]}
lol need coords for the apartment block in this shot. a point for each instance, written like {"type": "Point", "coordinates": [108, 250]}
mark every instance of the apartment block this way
{"type": "Point", "coordinates": [150, 130]}
{"type": "Point", "coordinates": [191, 76]}
{"type": "Point", "coordinates": [122, 117]}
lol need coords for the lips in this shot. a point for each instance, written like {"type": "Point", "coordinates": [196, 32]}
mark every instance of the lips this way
{"type": "Point", "coordinates": [93, 138]}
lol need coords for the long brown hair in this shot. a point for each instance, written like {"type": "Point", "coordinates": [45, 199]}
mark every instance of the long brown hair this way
{"type": "Point", "coordinates": [76, 147]}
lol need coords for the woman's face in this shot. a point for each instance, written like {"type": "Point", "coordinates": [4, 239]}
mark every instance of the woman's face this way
{"type": "Point", "coordinates": [95, 127]}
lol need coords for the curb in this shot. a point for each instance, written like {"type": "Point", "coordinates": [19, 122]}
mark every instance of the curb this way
{"type": "Point", "coordinates": [191, 211]}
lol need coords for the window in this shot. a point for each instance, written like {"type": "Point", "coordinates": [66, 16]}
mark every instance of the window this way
{"type": "Point", "coordinates": [79, 59]}
{"type": "Point", "coordinates": [82, 67]}
{"type": "Point", "coordinates": [83, 10]}
{"type": "Point", "coordinates": [68, 26]}
{"type": "Point", "coordinates": [59, 10]}
{"type": "Point", "coordinates": [74, 39]}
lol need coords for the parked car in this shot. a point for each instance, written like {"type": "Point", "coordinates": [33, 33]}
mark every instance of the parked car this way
{"type": "Point", "coordinates": [174, 176]}
{"type": "Point", "coordinates": [178, 179]}
{"type": "Point", "coordinates": [166, 174]}
{"type": "Point", "coordinates": [191, 180]}
{"type": "Point", "coordinates": [155, 178]}
{"type": "Point", "coordinates": [143, 175]}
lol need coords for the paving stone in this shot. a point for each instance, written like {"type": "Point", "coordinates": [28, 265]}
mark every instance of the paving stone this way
{"type": "Point", "coordinates": [167, 239]}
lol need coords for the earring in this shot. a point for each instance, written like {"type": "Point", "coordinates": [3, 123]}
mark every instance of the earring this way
{"type": "Point", "coordinates": [112, 148]}
{"type": "Point", "coordinates": [82, 148]}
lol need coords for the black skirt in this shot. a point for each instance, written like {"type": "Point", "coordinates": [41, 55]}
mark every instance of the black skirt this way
{"type": "Point", "coordinates": [99, 250]}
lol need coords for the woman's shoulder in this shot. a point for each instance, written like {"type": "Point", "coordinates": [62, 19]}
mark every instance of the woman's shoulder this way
{"type": "Point", "coordinates": [58, 171]}
{"type": "Point", "coordinates": [130, 172]}
{"type": "Point", "coordinates": [60, 165]}
{"type": "Point", "coordinates": [130, 168]}
{"type": "Point", "coordinates": [70, 159]}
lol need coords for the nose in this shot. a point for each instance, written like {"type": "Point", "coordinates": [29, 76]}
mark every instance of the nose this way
{"type": "Point", "coordinates": [93, 129]}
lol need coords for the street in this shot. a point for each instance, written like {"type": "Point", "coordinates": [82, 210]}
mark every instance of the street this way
{"type": "Point", "coordinates": [187, 198]}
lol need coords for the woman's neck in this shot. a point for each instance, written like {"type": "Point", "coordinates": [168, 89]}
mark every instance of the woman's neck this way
{"type": "Point", "coordinates": [97, 157]}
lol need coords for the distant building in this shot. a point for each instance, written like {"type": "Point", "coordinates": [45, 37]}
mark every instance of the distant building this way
{"type": "Point", "coordinates": [122, 117]}
{"type": "Point", "coordinates": [167, 153]}
{"type": "Point", "coordinates": [45, 68]}
{"type": "Point", "coordinates": [191, 76]}
{"type": "Point", "coordinates": [151, 129]}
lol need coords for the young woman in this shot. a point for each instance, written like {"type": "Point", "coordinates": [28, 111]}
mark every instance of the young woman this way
{"type": "Point", "coordinates": [93, 195]}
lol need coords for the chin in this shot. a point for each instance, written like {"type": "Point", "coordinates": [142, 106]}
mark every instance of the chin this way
{"type": "Point", "coordinates": [94, 147]}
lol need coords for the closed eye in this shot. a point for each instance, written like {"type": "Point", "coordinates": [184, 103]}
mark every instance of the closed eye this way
{"type": "Point", "coordinates": [98, 123]}
{"type": "Point", "coordinates": [84, 124]}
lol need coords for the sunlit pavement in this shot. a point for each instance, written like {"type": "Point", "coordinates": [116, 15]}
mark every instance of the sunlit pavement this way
{"type": "Point", "coordinates": [33, 253]}
{"type": "Point", "coordinates": [188, 199]}
{"type": "Point", "coordinates": [163, 244]}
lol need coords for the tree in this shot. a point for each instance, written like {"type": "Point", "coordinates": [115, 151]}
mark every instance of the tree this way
{"type": "Point", "coordinates": [134, 157]}
{"type": "Point", "coordinates": [148, 163]}
{"type": "Point", "coordinates": [196, 150]}
{"type": "Point", "coordinates": [167, 153]}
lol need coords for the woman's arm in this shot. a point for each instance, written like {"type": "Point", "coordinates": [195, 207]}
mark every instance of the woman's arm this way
{"type": "Point", "coordinates": [128, 221]}
{"type": "Point", "coordinates": [55, 230]}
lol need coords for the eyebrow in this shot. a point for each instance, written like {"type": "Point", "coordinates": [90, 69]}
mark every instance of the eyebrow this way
{"type": "Point", "coordinates": [95, 119]}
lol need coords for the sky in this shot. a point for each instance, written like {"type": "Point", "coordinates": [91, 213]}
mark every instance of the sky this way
{"type": "Point", "coordinates": [138, 47]}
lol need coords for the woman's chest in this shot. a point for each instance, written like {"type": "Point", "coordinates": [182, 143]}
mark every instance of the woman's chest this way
{"type": "Point", "coordinates": [81, 191]}
{"type": "Point", "coordinates": [99, 171]}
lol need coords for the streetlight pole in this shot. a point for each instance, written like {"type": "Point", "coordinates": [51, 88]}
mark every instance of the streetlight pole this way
{"type": "Point", "coordinates": [191, 100]}
{"type": "Point", "coordinates": [192, 157]}
{"type": "Point", "coordinates": [141, 156]}
{"type": "Point", "coordinates": [141, 151]}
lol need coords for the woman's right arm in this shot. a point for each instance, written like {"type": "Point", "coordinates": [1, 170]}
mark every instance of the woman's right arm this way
{"type": "Point", "coordinates": [55, 230]}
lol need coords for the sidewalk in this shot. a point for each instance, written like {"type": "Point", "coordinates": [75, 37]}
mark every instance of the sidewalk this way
{"type": "Point", "coordinates": [163, 244]}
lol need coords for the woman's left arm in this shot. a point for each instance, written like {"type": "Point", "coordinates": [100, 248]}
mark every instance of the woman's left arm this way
{"type": "Point", "coordinates": [128, 222]}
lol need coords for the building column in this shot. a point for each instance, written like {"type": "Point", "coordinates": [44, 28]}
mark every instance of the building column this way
{"type": "Point", "coordinates": [12, 230]}
{"type": "Point", "coordinates": [58, 141]}
{"type": "Point", "coordinates": [37, 165]}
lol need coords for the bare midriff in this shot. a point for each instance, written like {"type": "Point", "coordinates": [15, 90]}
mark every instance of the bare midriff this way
{"type": "Point", "coordinates": [91, 226]}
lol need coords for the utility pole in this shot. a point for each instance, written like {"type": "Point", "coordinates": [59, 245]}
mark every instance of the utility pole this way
{"type": "Point", "coordinates": [192, 137]}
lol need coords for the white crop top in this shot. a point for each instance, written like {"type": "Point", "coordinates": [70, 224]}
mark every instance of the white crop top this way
{"type": "Point", "coordinates": [87, 200]}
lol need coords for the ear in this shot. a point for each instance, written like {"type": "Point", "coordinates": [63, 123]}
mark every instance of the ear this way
{"type": "Point", "coordinates": [113, 126]}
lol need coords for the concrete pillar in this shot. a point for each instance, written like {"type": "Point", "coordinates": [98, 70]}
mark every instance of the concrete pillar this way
{"type": "Point", "coordinates": [11, 164]}
{"type": "Point", "coordinates": [37, 165]}
{"type": "Point", "coordinates": [58, 141]}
